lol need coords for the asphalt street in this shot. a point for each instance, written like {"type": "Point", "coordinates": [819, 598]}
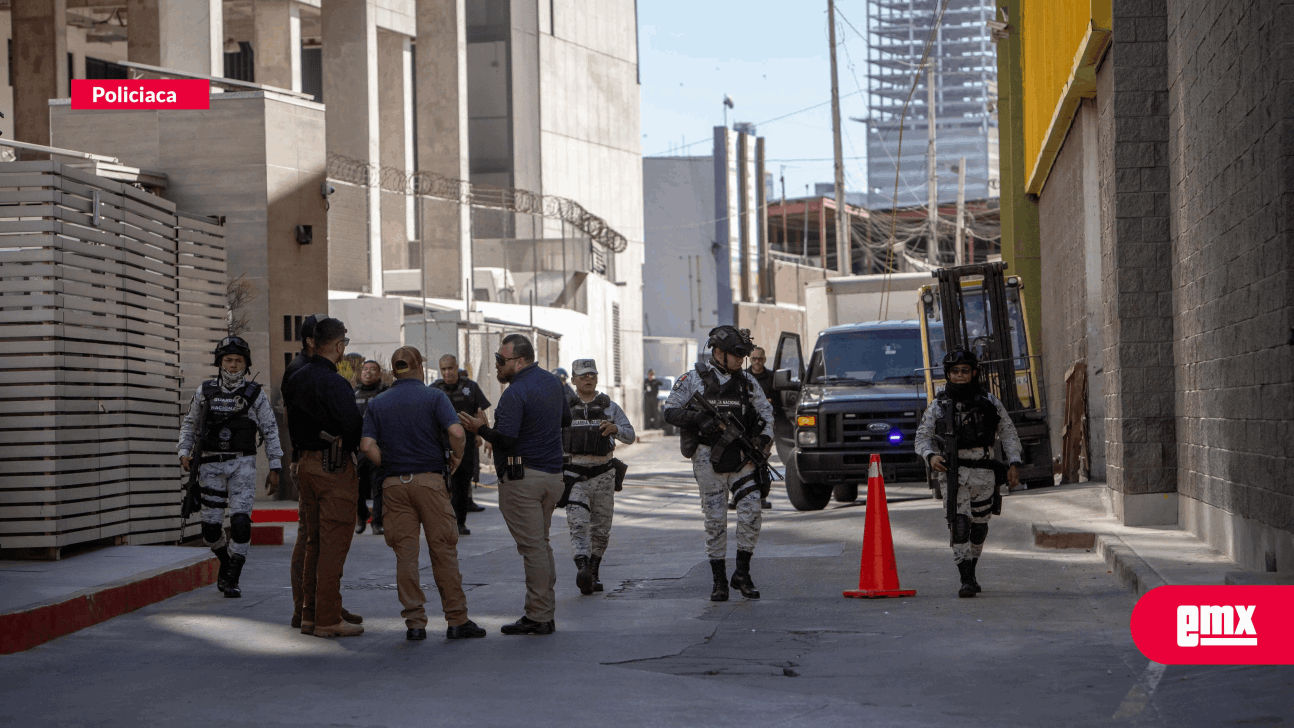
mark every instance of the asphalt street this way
{"type": "Point", "coordinates": [1046, 644]}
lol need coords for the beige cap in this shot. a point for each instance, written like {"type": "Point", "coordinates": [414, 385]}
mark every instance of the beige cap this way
{"type": "Point", "coordinates": [584, 366]}
{"type": "Point", "coordinates": [406, 358]}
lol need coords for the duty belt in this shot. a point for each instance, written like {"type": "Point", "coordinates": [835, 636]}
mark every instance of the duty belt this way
{"type": "Point", "coordinates": [220, 457]}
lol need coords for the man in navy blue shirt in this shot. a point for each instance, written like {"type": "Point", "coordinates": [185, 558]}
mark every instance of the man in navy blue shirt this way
{"type": "Point", "coordinates": [405, 431]}
{"type": "Point", "coordinates": [527, 442]}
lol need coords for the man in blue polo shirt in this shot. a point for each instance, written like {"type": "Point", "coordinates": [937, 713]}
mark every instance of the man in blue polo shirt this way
{"type": "Point", "coordinates": [405, 430]}
{"type": "Point", "coordinates": [527, 442]}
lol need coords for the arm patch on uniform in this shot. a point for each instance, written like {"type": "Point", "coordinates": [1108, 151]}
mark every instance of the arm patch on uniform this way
{"type": "Point", "coordinates": [679, 382]}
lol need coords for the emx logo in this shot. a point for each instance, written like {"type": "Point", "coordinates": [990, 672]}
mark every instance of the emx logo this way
{"type": "Point", "coordinates": [1216, 625]}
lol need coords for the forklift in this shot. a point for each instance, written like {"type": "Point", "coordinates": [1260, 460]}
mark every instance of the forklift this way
{"type": "Point", "coordinates": [978, 308]}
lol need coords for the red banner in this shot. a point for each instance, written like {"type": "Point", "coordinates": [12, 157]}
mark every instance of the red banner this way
{"type": "Point", "coordinates": [151, 94]}
{"type": "Point", "coordinates": [1216, 625]}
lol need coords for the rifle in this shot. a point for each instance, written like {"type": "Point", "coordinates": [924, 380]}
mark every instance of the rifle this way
{"type": "Point", "coordinates": [946, 435]}
{"type": "Point", "coordinates": [192, 489]}
{"type": "Point", "coordinates": [735, 434]}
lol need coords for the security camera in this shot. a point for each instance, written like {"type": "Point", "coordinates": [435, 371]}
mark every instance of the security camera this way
{"type": "Point", "coordinates": [326, 189]}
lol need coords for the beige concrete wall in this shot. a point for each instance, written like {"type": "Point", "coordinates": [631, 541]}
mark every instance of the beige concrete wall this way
{"type": "Point", "coordinates": [767, 322]}
{"type": "Point", "coordinates": [590, 142]}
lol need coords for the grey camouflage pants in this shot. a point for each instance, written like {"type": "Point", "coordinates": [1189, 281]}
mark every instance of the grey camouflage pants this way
{"type": "Point", "coordinates": [231, 484]}
{"type": "Point", "coordinates": [974, 499]}
{"type": "Point", "coordinates": [715, 489]}
{"type": "Point", "coordinates": [589, 512]}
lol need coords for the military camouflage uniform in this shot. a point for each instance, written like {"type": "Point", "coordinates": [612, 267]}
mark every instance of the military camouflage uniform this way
{"type": "Point", "coordinates": [975, 494]}
{"type": "Point", "coordinates": [715, 487]}
{"type": "Point", "coordinates": [231, 483]}
{"type": "Point", "coordinates": [591, 504]}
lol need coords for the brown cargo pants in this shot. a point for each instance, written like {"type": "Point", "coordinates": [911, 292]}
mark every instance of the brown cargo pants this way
{"type": "Point", "coordinates": [328, 500]}
{"type": "Point", "coordinates": [527, 507]}
{"type": "Point", "coordinates": [422, 500]}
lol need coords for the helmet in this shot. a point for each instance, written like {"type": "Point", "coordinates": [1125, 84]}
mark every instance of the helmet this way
{"type": "Point", "coordinates": [732, 340]}
{"type": "Point", "coordinates": [561, 373]}
{"type": "Point", "coordinates": [960, 356]}
{"type": "Point", "coordinates": [233, 345]}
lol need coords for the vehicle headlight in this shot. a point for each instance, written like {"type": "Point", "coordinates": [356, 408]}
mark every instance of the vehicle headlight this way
{"type": "Point", "coordinates": [807, 437]}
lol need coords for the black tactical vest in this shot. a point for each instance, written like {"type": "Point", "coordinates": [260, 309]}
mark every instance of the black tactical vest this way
{"type": "Point", "coordinates": [459, 395]}
{"type": "Point", "coordinates": [976, 420]}
{"type": "Point", "coordinates": [733, 397]}
{"type": "Point", "coordinates": [584, 436]}
{"type": "Point", "coordinates": [364, 394]}
{"type": "Point", "coordinates": [228, 428]}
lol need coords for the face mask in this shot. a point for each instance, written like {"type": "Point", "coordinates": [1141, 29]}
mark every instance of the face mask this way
{"type": "Point", "coordinates": [232, 381]}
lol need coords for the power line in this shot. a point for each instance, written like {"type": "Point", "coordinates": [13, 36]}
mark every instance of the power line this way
{"type": "Point", "coordinates": [670, 152]}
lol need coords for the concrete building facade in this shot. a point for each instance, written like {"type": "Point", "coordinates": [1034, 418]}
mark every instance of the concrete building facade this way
{"type": "Point", "coordinates": [379, 87]}
{"type": "Point", "coordinates": [1154, 178]}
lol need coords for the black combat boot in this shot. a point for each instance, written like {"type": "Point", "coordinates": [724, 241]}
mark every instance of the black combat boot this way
{"type": "Point", "coordinates": [584, 577]}
{"type": "Point", "coordinates": [720, 569]}
{"type": "Point", "coordinates": [594, 563]}
{"type": "Point", "coordinates": [974, 582]}
{"type": "Point", "coordinates": [967, 571]}
{"type": "Point", "coordinates": [236, 562]}
{"type": "Point", "coordinates": [222, 578]}
{"type": "Point", "coordinates": [741, 577]}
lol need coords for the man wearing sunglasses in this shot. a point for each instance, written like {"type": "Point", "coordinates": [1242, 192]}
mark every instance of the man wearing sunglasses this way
{"type": "Point", "coordinates": [325, 426]}
{"type": "Point", "coordinates": [527, 442]}
{"type": "Point", "coordinates": [978, 421]}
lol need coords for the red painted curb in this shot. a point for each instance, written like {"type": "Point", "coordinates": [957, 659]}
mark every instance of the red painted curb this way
{"type": "Point", "coordinates": [25, 629]}
{"type": "Point", "coordinates": [274, 515]}
{"type": "Point", "coordinates": [267, 534]}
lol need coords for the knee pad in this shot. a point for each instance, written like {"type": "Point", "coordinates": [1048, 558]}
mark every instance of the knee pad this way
{"type": "Point", "coordinates": [978, 532]}
{"type": "Point", "coordinates": [240, 528]}
{"type": "Point", "coordinates": [212, 533]}
{"type": "Point", "coordinates": [961, 528]}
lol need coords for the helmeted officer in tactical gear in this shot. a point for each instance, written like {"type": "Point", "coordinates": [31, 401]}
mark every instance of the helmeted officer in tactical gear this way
{"type": "Point", "coordinates": [979, 420]}
{"type": "Point", "coordinates": [466, 396]}
{"type": "Point", "coordinates": [222, 423]}
{"type": "Point", "coordinates": [590, 443]}
{"type": "Point", "coordinates": [724, 384]}
{"type": "Point", "coordinates": [565, 380]}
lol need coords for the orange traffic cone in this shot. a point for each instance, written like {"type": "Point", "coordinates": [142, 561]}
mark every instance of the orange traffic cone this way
{"type": "Point", "coordinates": [878, 575]}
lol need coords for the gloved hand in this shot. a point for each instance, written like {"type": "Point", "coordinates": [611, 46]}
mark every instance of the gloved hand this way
{"type": "Point", "coordinates": [710, 426]}
{"type": "Point", "coordinates": [763, 442]}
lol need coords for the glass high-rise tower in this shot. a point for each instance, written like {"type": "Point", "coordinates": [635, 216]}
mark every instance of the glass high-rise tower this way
{"type": "Point", "coordinates": [965, 90]}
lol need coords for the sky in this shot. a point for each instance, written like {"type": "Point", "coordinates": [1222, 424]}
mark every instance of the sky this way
{"type": "Point", "coordinates": [772, 58]}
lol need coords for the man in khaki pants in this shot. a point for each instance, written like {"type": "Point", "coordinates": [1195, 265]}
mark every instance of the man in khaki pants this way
{"type": "Point", "coordinates": [405, 431]}
{"type": "Point", "coordinates": [325, 427]}
{"type": "Point", "coordinates": [527, 441]}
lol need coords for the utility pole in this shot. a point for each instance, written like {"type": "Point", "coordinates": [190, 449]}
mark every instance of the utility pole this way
{"type": "Point", "coordinates": [959, 257]}
{"type": "Point", "coordinates": [932, 172]}
{"type": "Point", "coordinates": [844, 247]}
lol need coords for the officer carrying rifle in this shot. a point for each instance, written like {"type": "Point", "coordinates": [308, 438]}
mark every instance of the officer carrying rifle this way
{"type": "Point", "coordinates": [956, 437]}
{"type": "Point", "coordinates": [726, 429]}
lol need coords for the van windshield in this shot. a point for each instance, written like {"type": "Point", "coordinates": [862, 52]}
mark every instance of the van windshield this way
{"type": "Point", "coordinates": [891, 355]}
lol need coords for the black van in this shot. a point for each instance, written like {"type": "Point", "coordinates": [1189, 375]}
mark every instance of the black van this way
{"type": "Point", "coordinates": [861, 393]}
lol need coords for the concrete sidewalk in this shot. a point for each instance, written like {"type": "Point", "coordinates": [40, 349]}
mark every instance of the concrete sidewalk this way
{"type": "Point", "coordinates": [1140, 557]}
{"type": "Point", "coordinates": [41, 600]}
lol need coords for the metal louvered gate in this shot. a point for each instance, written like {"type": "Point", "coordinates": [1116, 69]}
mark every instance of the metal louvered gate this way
{"type": "Point", "coordinates": [107, 296]}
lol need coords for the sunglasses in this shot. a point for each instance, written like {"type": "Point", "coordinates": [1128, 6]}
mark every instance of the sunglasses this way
{"type": "Point", "coordinates": [501, 360]}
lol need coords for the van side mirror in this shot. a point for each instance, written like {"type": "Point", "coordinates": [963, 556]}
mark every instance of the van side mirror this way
{"type": "Point", "coordinates": [782, 381]}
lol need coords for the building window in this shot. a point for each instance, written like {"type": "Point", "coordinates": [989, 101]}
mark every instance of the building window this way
{"type": "Point", "coordinates": [292, 328]}
{"type": "Point", "coordinates": [615, 342]}
{"type": "Point", "coordinates": [312, 72]}
{"type": "Point", "coordinates": [241, 66]}
{"type": "Point", "coordinates": [97, 68]}
{"type": "Point", "coordinates": [287, 359]}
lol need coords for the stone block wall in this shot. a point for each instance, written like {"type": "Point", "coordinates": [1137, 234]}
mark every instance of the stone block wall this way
{"type": "Point", "coordinates": [1137, 282]}
{"type": "Point", "coordinates": [1064, 280]}
{"type": "Point", "coordinates": [1230, 66]}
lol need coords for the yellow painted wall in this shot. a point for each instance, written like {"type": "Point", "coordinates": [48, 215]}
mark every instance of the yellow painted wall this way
{"type": "Point", "coordinates": [1051, 35]}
